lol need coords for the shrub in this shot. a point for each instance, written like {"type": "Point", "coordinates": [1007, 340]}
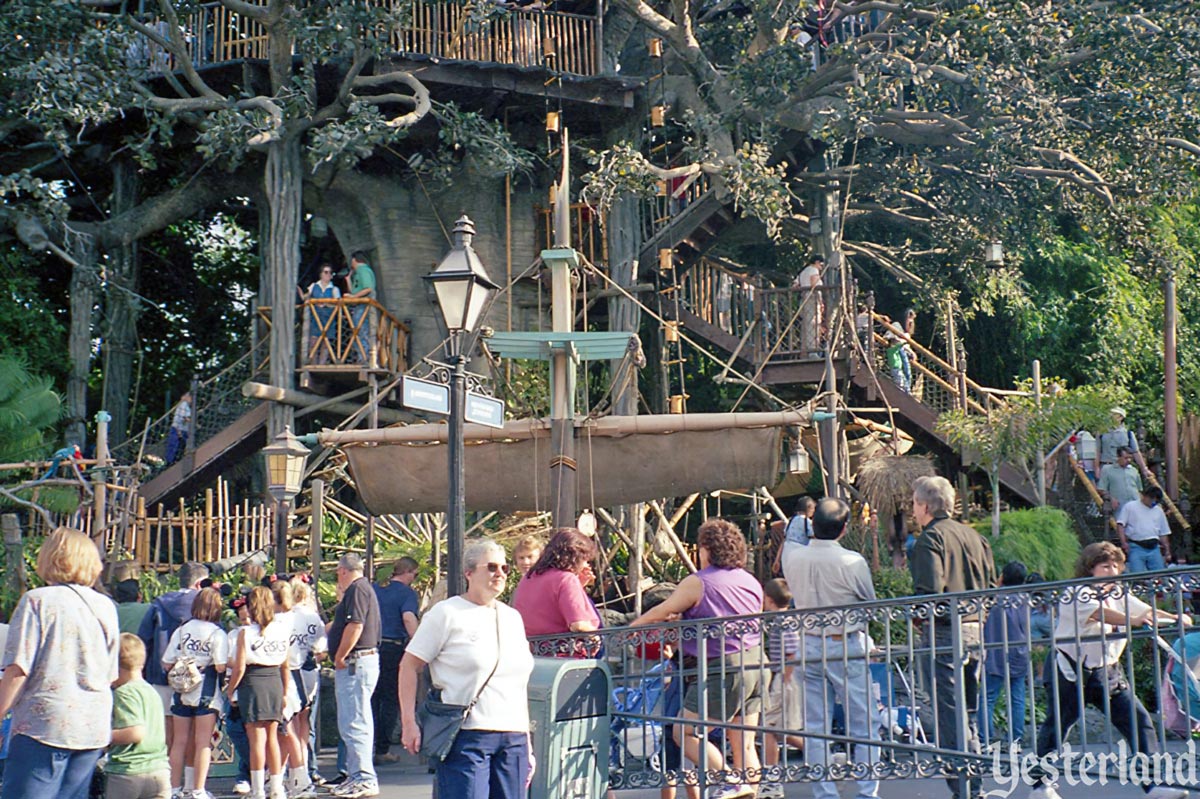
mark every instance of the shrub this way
{"type": "Point", "coordinates": [1041, 538]}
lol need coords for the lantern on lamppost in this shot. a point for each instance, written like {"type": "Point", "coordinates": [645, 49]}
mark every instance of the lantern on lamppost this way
{"type": "Point", "coordinates": [285, 458]}
{"type": "Point", "coordinates": [463, 287]}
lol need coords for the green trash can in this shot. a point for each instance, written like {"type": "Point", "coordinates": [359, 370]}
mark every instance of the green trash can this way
{"type": "Point", "coordinates": [569, 717]}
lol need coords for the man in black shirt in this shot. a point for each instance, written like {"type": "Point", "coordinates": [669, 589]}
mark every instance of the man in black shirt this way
{"type": "Point", "coordinates": [354, 636]}
{"type": "Point", "coordinates": [950, 557]}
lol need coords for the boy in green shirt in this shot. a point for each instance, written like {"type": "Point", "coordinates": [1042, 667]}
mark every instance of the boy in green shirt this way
{"type": "Point", "coordinates": [137, 760]}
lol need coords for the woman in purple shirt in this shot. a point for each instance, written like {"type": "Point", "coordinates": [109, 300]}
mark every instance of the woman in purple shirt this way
{"type": "Point", "coordinates": [732, 656]}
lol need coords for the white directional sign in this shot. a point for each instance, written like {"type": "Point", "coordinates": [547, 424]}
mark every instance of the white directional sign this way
{"type": "Point", "coordinates": [425, 395]}
{"type": "Point", "coordinates": [485, 410]}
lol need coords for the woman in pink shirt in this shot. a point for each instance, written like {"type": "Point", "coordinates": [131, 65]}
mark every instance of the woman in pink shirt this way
{"type": "Point", "coordinates": [551, 597]}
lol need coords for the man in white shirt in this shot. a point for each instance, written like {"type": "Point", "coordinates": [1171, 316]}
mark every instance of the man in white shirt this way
{"type": "Point", "coordinates": [826, 575]}
{"type": "Point", "coordinates": [809, 284]}
{"type": "Point", "coordinates": [1144, 532]}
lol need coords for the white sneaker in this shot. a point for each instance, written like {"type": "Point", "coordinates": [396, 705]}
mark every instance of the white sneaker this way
{"type": "Point", "coordinates": [729, 791]}
{"type": "Point", "coordinates": [202, 794]}
{"type": "Point", "coordinates": [1045, 791]}
{"type": "Point", "coordinates": [356, 789]}
{"type": "Point", "coordinates": [770, 790]}
{"type": "Point", "coordinates": [1163, 792]}
{"type": "Point", "coordinates": [241, 787]}
{"type": "Point", "coordinates": [308, 791]}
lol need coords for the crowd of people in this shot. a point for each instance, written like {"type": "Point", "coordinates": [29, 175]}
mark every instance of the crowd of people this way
{"type": "Point", "coordinates": [146, 685]}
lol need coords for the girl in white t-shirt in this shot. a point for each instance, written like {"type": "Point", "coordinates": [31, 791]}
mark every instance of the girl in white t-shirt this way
{"type": "Point", "coordinates": [308, 642]}
{"type": "Point", "coordinates": [293, 747]}
{"type": "Point", "coordinates": [1099, 610]}
{"type": "Point", "coordinates": [194, 714]}
{"type": "Point", "coordinates": [259, 678]}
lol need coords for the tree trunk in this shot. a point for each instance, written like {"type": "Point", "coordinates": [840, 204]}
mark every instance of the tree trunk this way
{"type": "Point", "coordinates": [121, 308]}
{"type": "Point", "coordinates": [79, 342]}
{"type": "Point", "coordinates": [281, 253]}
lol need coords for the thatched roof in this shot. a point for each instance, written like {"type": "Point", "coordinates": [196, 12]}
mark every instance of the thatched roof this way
{"type": "Point", "coordinates": [886, 481]}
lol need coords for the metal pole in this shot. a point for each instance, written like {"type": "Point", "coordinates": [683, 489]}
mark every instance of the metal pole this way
{"type": "Point", "coordinates": [456, 511]}
{"type": "Point", "coordinates": [1171, 387]}
{"type": "Point", "coordinates": [281, 531]}
{"type": "Point", "coordinates": [317, 522]}
{"type": "Point", "coordinates": [1040, 471]}
{"type": "Point", "coordinates": [370, 565]}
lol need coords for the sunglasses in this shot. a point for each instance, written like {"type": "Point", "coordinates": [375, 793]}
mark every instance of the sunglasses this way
{"type": "Point", "coordinates": [493, 568]}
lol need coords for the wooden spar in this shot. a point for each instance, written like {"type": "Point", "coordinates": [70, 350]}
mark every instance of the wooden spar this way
{"type": "Point", "coordinates": [613, 426]}
{"type": "Point", "coordinates": [313, 402]}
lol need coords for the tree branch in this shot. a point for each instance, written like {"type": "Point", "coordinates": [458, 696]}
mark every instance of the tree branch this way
{"type": "Point", "coordinates": [257, 13]}
{"type": "Point", "coordinates": [420, 95]}
{"type": "Point", "coordinates": [1070, 176]}
{"type": "Point", "coordinates": [179, 49]}
{"type": "Point", "coordinates": [1182, 144]}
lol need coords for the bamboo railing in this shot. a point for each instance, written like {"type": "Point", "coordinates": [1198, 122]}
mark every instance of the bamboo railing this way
{"type": "Point", "coordinates": [561, 42]}
{"type": "Point", "coordinates": [350, 331]}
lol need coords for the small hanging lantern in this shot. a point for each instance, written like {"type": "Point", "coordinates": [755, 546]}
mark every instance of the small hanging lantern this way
{"type": "Point", "coordinates": [675, 402]}
{"type": "Point", "coordinates": [994, 254]}
{"type": "Point", "coordinates": [814, 225]}
{"type": "Point", "coordinates": [660, 188]}
{"type": "Point", "coordinates": [797, 460]}
{"type": "Point", "coordinates": [655, 46]}
{"type": "Point", "coordinates": [666, 260]}
{"type": "Point", "coordinates": [549, 48]}
{"type": "Point", "coordinates": [658, 116]}
{"type": "Point", "coordinates": [671, 331]}
{"type": "Point", "coordinates": [586, 524]}
{"type": "Point", "coordinates": [553, 193]}
{"type": "Point", "coordinates": [553, 123]}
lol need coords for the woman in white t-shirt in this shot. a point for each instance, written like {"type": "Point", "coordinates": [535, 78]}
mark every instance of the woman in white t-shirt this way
{"type": "Point", "coordinates": [1096, 611]}
{"type": "Point", "coordinates": [260, 677]}
{"type": "Point", "coordinates": [308, 642]}
{"type": "Point", "coordinates": [476, 651]}
{"type": "Point", "coordinates": [194, 714]}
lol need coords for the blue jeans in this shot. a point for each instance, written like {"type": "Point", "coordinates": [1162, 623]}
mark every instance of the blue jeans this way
{"type": "Point", "coordinates": [1145, 560]}
{"type": "Point", "coordinates": [356, 725]}
{"type": "Point", "coordinates": [236, 730]}
{"type": "Point", "coordinates": [850, 679]}
{"type": "Point", "coordinates": [1016, 707]}
{"type": "Point", "coordinates": [485, 765]}
{"type": "Point", "coordinates": [48, 772]}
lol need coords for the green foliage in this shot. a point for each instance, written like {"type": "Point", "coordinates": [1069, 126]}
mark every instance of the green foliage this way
{"type": "Point", "coordinates": [892, 583]}
{"type": "Point", "coordinates": [1014, 432]}
{"type": "Point", "coordinates": [1043, 539]}
{"type": "Point", "coordinates": [28, 409]}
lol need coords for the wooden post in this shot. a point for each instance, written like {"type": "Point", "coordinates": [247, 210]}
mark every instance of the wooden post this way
{"type": "Point", "coordinates": [143, 534]}
{"type": "Point", "coordinates": [99, 478]}
{"type": "Point", "coordinates": [14, 559]}
{"type": "Point", "coordinates": [316, 522]}
{"type": "Point", "coordinates": [370, 564]}
{"type": "Point", "coordinates": [208, 524]}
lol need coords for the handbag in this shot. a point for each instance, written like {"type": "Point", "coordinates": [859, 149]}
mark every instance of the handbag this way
{"type": "Point", "coordinates": [440, 721]}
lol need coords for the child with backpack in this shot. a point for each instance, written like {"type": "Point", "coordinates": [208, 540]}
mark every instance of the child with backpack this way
{"type": "Point", "coordinates": [194, 661]}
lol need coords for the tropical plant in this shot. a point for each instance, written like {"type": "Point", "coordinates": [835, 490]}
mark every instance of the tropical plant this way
{"type": "Point", "coordinates": [1043, 539]}
{"type": "Point", "coordinates": [1014, 432]}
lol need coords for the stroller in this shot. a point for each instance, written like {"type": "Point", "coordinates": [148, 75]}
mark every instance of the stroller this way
{"type": "Point", "coordinates": [894, 722]}
{"type": "Point", "coordinates": [638, 739]}
{"type": "Point", "coordinates": [1180, 695]}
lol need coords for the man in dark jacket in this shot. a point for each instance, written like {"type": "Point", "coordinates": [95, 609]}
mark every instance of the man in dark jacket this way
{"type": "Point", "coordinates": [165, 614]}
{"type": "Point", "coordinates": [950, 557]}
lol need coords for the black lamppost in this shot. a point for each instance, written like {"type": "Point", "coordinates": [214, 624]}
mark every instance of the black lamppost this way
{"type": "Point", "coordinates": [285, 469]}
{"type": "Point", "coordinates": [463, 288]}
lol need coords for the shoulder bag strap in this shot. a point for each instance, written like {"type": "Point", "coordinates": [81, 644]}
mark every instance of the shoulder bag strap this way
{"type": "Point", "coordinates": [479, 693]}
{"type": "Point", "coordinates": [91, 610]}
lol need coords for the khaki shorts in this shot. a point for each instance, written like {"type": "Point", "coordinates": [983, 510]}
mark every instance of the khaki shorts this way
{"type": "Point", "coordinates": [782, 707]}
{"type": "Point", "coordinates": [155, 785]}
{"type": "Point", "coordinates": [734, 688]}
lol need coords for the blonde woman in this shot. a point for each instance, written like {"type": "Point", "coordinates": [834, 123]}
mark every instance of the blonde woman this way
{"type": "Point", "coordinates": [308, 642]}
{"type": "Point", "coordinates": [59, 665]}
{"type": "Point", "coordinates": [259, 678]}
{"type": "Point", "coordinates": [194, 714]}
